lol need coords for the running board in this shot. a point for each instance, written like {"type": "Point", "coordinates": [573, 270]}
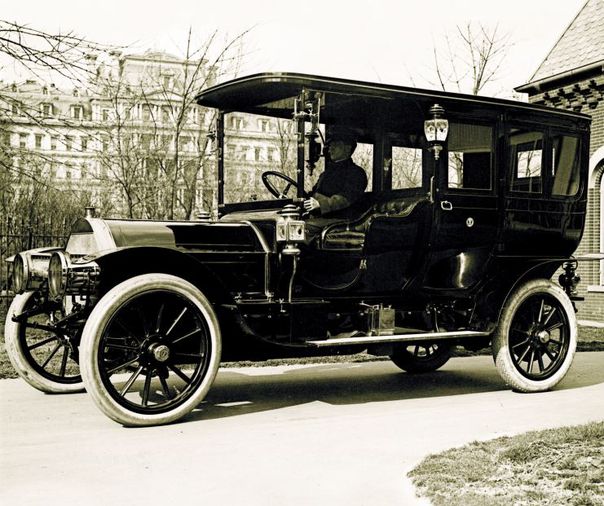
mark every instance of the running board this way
{"type": "Point", "coordinates": [397, 338]}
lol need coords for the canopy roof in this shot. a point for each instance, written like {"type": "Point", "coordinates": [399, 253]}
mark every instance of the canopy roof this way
{"type": "Point", "coordinates": [273, 94]}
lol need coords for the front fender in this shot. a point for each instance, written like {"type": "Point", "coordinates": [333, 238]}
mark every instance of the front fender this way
{"type": "Point", "coordinates": [124, 263]}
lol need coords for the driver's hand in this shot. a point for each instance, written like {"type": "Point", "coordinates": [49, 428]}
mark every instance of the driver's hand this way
{"type": "Point", "coordinates": [311, 204]}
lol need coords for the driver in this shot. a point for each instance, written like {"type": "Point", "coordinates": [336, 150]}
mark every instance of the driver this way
{"type": "Point", "coordinates": [342, 182]}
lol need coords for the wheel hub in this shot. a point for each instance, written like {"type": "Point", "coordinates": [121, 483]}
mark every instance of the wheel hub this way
{"type": "Point", "coordinates": [543, 336]}
{"type": "Point", "coordinates": [160, 352]}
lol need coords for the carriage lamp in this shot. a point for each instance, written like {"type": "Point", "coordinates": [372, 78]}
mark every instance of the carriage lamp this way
{"type": "Point", "coordinates": [436, 129]}
{"type": "Point", "coordinates": [290, 229]}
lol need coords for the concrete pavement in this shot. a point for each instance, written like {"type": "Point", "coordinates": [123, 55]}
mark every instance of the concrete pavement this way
{"type": "Point", "coordinates": [300, 435]}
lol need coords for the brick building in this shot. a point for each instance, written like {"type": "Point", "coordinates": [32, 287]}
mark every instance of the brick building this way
{"type": "Point", "coordinates": [572, 77]}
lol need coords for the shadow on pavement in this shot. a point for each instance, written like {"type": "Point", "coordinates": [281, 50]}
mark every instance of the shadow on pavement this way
{"type": "Point", "coordinates": [235, 393]}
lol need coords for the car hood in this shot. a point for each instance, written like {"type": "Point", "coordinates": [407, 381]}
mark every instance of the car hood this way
{"type": "Point", "coordinates": [91, 235]}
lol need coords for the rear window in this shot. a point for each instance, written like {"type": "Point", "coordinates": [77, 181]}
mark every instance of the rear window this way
{"type": "Point", "coordinates": [526, 156]}
{"type": "Point", "coordinates": [565, 157]}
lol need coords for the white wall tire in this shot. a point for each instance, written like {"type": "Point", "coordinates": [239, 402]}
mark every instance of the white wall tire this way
{"type": "Point", "coordinates": [44, 359]}
{"type": "Point", "coordinates": [536, 339]}
{"type": "Point", "coordinates": [150, 350]}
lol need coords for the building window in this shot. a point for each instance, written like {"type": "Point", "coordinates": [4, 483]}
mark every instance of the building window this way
{"type": "Point", "coordinates": [230, 151]}
{"type": "Point", "coordinates": [68, 143]}
{"type": "Point", "coordinates": [105, 114]}
{"type": "Point", "coordinates": [242, 153]}
{"type": "Point", "coordinates": [166, 113]}
{"type": "Point", "coordinates": [105, 142]}
{"type": "Point", "coordinates": [257, 154]}
{"type": "Point", "coordinates": [84, 143]}
{"type": "Point", "coordinates": [15, 108]}
{"type": "Point", "coordinates": [39, 141]}
{"type": "Point", "coordinates": [77, 112]}
{"type": "Point", "coordinates": [23, 140]}
{"type": "Point", "coordinates": [53, 142]}
{"type": "Point", "coordinates": [47, 110]}
{"type": "Point", "coordinates": [263, 125]}
{"type": "Point", "coordinates": [236, 123]}
{"type": "Point", "coordinates": [272, 154]}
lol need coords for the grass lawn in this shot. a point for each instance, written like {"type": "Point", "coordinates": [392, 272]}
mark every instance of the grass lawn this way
{"type": "Point", "coordinates": [552, 467]}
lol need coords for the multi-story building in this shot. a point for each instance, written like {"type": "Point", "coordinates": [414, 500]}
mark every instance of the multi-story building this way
{"type": "Point", "coordinates": [134, 138]}
{"type": "Point", "coordinates": [133, 128]}
{"type": "Point", "coordinates": [572, 77]}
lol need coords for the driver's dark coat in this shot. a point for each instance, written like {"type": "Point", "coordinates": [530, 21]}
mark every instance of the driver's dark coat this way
{"type": "Point", "coordinates": [340, 186]}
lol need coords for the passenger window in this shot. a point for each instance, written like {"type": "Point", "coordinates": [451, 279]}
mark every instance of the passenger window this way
{"type": "Point", "coordinates": [565, 164]}
{"type": "Point", "coordinates": [406, 167]}
{"type": "Point", "coordinates": [526, 155]}
{"type": "Point", "coordinates": [363, 157]}
{"type": "Point", "coordinates": [470, 154]}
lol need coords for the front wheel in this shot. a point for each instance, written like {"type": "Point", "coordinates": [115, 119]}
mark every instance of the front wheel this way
{"type": "Point", "coordinates": [150, 350]}
{"type": "Point", "coordinates": [42, 352]}
{"type": "Point", "coordinates": [536, 339]}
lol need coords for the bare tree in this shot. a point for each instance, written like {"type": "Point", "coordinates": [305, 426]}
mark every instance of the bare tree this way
{"type": "Point", "coordinates": [36, 51]}
{"type": "Point", "coordinates": [159, 154]}
{"type": "Point", "coordinates": [471, 59]}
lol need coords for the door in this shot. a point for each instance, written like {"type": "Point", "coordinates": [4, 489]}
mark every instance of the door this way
{"type": "Point", "coordinates": [465, 208]}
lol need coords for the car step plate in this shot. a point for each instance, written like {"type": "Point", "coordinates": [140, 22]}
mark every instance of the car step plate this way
{"type": "Point", "coordinates": [395, 338]}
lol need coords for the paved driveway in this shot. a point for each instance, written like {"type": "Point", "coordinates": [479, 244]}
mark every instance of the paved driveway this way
{"type": "Point", "coordinates": [306, 435]}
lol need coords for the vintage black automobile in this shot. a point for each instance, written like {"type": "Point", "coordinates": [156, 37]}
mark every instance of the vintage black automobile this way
{"type": "Point", "coordinates": [472, 205]}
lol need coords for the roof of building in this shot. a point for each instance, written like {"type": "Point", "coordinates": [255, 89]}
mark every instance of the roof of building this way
{"type": "Point", "coordinates": [581, 44]}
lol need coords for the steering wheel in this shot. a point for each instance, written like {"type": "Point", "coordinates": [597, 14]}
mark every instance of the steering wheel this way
{"type": "Point", "coordinates": [271, 187]}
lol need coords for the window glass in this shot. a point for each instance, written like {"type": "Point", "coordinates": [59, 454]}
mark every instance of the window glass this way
{"type": "Point", "coordinates": [470, 154]}
{"type": "Point", "coordinates": [406, 167]}
{"type": "Point", "coordinates": [253, 145]}
{"type": "Point", "coordinates": [363, 157]}
{"type": "Point", "coordinates": [526, 156]}
{"type": "Point", "coordinates": [565, 165]}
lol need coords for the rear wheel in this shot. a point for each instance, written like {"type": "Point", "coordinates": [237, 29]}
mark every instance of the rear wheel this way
{"type": "Point", "coordinates": [423, 357]}
{"type": "Point", "coordinates": [150, 350]}
{"type": "Point", "coordinates": [536, 338]}
{"type": "Point", "coordinates": [40, 351]}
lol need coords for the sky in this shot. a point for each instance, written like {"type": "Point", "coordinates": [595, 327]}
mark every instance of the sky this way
{"type": "Point", "coordinates": [386, 41]}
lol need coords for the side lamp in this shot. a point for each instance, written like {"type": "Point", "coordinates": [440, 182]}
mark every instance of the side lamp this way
{"type": "Point", "coordinates": [436, 129]}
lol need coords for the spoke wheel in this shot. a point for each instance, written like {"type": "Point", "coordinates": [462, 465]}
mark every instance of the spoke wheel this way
{"type": "Point", "coordinates": [150, 350]}
{"type": "Point", "coordinates": [41, 353]}
{"type": "Point", "coordinates": [422, 357]}
{"type": "Point", "coordinates": [536, 338]}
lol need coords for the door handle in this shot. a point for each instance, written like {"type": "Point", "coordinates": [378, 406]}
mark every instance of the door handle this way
{"type": "Point", "coordinates": [445, 205]}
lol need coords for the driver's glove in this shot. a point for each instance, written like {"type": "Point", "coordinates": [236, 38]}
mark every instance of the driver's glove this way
{"type": "Point", "coordinates": [311, 205]}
